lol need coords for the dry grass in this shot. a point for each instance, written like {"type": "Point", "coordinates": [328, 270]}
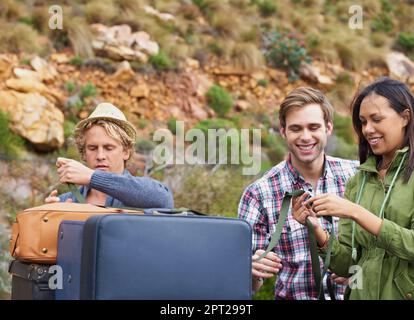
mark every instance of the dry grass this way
{"type": "Point", "coordinates": [355, 53]}
{"type": "Point", "coordinates": [101, 11]}
{"type": "Point", "coordinates": [11, 9]}
{"type": "Point", "coordinates": [247, 56]}
{"type": "Point", "coordinates": [80, 37]}
{"type": "Point", "coordinates": [228, 24]}
{"type": "Point", "coordinates": [19, 38]}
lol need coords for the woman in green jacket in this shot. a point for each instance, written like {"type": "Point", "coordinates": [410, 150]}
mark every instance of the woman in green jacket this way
{"type": "Point", "coordinates": [376, 229]}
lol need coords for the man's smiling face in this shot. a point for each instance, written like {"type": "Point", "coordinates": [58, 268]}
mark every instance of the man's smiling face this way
{"type": "Point", "coordinates": [306, 133]}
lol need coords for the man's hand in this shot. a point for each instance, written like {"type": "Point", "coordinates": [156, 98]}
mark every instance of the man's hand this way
{"type": "Point", "coordinates": [54, 198]}
{"type": "Point", "coordinates": [265, 268]}
{"type": "Point", "coordinates": [300, 212]}
{"type": "Point", "coordinates": [73, 171]}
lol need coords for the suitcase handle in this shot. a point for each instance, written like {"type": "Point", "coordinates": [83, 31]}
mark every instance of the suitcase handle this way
{"type": "Point", "coordinates": [80, 198]}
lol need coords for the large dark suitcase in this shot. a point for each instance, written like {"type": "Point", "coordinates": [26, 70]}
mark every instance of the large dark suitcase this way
{"type": "Point", "coordinates": [158, 257]}
{"type": "Point", "coordinates": [68, 258]}
{"type": "Point", "coordinates": [70, 251]}
{"type": "Point", "coordinates": [30, 281]}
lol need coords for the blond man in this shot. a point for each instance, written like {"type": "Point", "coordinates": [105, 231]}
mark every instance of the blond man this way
{"type": "Point", "coordinates": [105, 141]}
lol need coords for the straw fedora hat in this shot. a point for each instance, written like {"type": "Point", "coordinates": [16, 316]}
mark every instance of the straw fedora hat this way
{"type": "Point", "coordinates": [107, 111]}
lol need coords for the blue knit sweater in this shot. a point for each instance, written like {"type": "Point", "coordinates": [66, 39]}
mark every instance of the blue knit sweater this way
{"type": "Point", "coordinates": [125, 190]}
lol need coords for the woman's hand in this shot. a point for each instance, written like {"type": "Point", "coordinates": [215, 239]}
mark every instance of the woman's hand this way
{"type": "Point", "coordinates": [332, 205]}
{"type": "Point", "coordinates": [300, 212]}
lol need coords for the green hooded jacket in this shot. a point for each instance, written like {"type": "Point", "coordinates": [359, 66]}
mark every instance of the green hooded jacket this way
{"type": "Point", "coordinates": [386, 261]}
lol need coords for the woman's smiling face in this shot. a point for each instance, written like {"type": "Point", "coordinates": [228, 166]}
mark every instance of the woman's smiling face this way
{"type": "Point", "coordinates": [382, 126]}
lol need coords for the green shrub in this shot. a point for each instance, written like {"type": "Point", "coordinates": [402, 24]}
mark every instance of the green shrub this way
{"type": "Point", "coordinates": [172, 125]}
{"type": "Point", "coordinates": [217, 123]}
{"type": "Point", "coordinates": [26, 20]}
{"type": "Point", "coordinates": [70, 86]}
{"type": "Point", "coordinates": [77, 61]}
{"type": "Point", "coordinates": [219, 100]}
{"type": "Point", "coordinates": [285, 50]}
{"type": "Point", "coordinates": [25, 61]}
{"type": "Point", "coordinates": [216, 48]}
{"type": "Point", "coordinates": [266, 7]}
{"type": "Point", "coordinates": [144, 146]}
{"type": "Point", "coordinates": [345, 78]}
{"type": "Point", "coordinates": [160, 61]}
{"type": "Point", "coordinates": [201, 189]}
{"type": "Point", "coordinates": [263, 82]}
{"type": "Point", "coordinates": [88, 90]}
{"type": "Point", "coordinates": [142, 123]}
{"type": "Point", "coordinates": [222, 150]}
{"type": "Point", "coordinates": [386, 6]}
{"type": "Point", "coordinates": [275, 146]}
{"type": "Point", "coordinates": [343, 128]}
{"type": "Point", "coordinates": [382, 23]}
{"type": "Point", "coordinates": [10, 143]}
{"type": "Point", "coordinates": [68, 127]}
{"type": "Point", "coordinates": [405, 42]}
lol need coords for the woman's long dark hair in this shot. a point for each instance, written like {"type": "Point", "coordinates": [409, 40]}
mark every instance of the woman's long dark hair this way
{"type": "Point", "coordinates": [400, 98]}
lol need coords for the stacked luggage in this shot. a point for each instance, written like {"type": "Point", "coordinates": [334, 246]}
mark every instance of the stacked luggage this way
{"type": "Point", "coordinates": [89, 252]}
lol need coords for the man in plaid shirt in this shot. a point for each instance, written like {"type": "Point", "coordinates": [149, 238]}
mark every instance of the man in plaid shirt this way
{"type": "Point", "coordinates": [306, 121]}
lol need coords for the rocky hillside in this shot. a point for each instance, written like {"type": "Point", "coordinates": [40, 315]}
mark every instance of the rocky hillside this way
{"type": "Point", "coordinates": [209, 63]}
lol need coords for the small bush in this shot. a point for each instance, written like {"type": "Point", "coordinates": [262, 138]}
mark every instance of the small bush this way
{"type": "Point", "coordinates": [216, 48]}
{"type": "Point", "coordinates": [382, 23]}
{"type": "Point", "coordinates": [276, 147]}
{"type": "Point", "coordinates": [70, 86]}
{"type": "Point", "coordinates": [217, 123]}
{"type": "Point", "coordinates": [144, 146]}
{"type": "Point", "coordinates": [25, 61]}
{"type": "Point", "coordinates": [263, 82]}
{"type": "Point", "coordinates": [10, 143]}
{"type": "Point", "coordinates": [266, 7]}
{"type": "Point", "coordinates": [285, 50]}
{"type": "Point", "coordinates": [142, 123]}
{"type": "Point", "coordinates": [219, 100]}
{"type": "Point", "coordinates": [76, 61]}
{"type": "Point", "coordinates": [160, 61]}
{"type": "Point", "coordinates": [405, 42]}
{"type": "Point", "coordinates": [172, 125]}
{"type": "Point", "coordinates": [343, 128]}
{"type": "Point", "coordinates": [222, 150]}
{"type": "Point", "coordinates": [345, 78]}
{"type": "Point", "coordinates": [68, 127]}
{"type": "Point", "coordinates": [89, 90]}
{"type": "Point", "coordinates": [199, 188]}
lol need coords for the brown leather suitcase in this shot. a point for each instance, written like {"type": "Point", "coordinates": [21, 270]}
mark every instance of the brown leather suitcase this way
{"type": "Point", "coordinates": [35, 230]}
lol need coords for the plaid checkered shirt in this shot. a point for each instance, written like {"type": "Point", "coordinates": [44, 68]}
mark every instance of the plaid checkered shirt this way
{"type": "Point", "coordinates": [260, 206]}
